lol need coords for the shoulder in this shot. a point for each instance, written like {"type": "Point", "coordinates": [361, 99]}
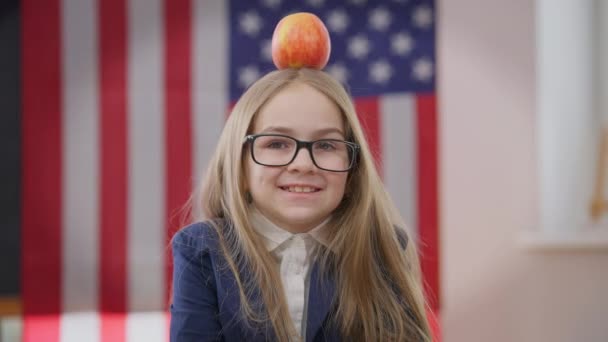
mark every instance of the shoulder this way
{"type": "Point", "coordinates": [199, 236]}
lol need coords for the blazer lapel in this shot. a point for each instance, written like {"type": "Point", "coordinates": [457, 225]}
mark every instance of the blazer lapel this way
{"type": "Point", "coordinates": [230, 303]}
{"type": "Point", "coordinates": [320, 298]}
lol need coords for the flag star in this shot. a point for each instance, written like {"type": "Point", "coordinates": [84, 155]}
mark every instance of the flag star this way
{"type": "Point", "coordinates": [401, 44]}
{"type": "Point", "coordinates": [266, 50]}
{"type": "Point", "coordinates": [380, 19]}
{"type": "Point", "coordinates": [337, 20]}
{"type": "Point", "coordinates": [339, 72]}
{"type": "Point", "coordinates": [271, 3]}
{"type": "Point", "coordinates": [423, 70]}
{"type": "Point", "coordinates": [422, 17]}
{"type": "Point", "coordinates": [358, 46]}
{"type": "Point", "coordinates": [316, 3]}
{"type": "Point", "coordinates": [380, 72]}
{"type": "Point", "coordinates": [250, 23]}
{"type": "Point", "coordinates": [248, 75]}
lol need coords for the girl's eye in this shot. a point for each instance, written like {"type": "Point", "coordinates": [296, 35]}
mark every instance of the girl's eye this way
{"type": "Point", "coordinates": [326, 146]}
{"type": "Point", "coordinates": [277, 145]}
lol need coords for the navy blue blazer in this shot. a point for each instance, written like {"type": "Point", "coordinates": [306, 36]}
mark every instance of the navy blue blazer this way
{"type": "Point", "coordinates": [206, 301]}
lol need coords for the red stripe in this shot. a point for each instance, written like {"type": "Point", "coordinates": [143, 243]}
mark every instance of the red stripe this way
{"type": "Point", "coordinates": [178, 117]}
{"type": "Point", "coordinates": [38, 328]}
{"type": "Point", "coordinates": [428, 194]}
{"type": "Point", "coordinates": [435, 324]}
{"type": "Point", "coordinates": [167, 326]}
{"type": "Point", "coordinates": [41, 168]}
{"type": "Point", "coordinates": [368, 110]}
{"type": "Point", "coordinates": [113, 327]}
{"type": "Point", "coordinates": [113, 163]}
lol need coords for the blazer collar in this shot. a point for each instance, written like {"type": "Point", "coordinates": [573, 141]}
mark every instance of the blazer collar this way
{"type": "Point", "coordinates": [321, 297]}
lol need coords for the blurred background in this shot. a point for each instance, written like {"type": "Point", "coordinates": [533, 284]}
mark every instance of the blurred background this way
{"type": "Point", "coordinates": [485, 117]}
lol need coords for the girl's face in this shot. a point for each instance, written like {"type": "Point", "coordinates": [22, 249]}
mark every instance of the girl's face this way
{"type": "Point", "coordinates": [298, 196]}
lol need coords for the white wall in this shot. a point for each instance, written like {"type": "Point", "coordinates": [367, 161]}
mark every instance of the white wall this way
{"type": "Point", "coordinates": [492, 288]}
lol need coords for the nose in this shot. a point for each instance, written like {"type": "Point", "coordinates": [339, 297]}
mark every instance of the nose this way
{"type": "Point", "coordinates": [302, 162]}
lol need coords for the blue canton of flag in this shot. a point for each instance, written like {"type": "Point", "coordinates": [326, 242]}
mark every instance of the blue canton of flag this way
{"type": "Point", "coordinates": [377, 47]}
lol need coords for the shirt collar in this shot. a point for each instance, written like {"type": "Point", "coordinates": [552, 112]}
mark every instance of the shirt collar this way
{"type": "Point", "coordinates": [274, 236]}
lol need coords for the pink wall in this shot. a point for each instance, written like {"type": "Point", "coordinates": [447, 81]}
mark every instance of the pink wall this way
{"type": "Point", "coordinates": [493, 289]}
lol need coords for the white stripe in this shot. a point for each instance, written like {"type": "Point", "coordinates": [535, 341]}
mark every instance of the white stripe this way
{"type": "Point", "coordinates": [148, 326]}
{"type": "Point", "coordinates": [146, 204]}
{"type": "Point", "coordinates": [80, 155]}
{"type": "Point", "coordinates": [210, 85]}
{"type": "Point", "coordinates": [400, 155]}
{"type": "Point", "coordinates": [81, 326]}
{"type": "Point", "coordinates": [11, 328]}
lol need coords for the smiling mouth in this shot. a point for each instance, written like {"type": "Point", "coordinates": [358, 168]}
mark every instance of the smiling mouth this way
{"type": "Point", "coordinates": [300, 189]}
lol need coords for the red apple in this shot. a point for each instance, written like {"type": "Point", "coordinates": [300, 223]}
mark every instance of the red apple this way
{"type": "Point", "coordinates": [300, 40]}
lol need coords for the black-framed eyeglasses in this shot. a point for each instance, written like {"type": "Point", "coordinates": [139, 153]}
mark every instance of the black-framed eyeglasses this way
{"type": "Point", "coordinates": [280, 150]}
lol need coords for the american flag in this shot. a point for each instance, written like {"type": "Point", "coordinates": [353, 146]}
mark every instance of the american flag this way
{"type": "Point", "coordinates": [123, 102]}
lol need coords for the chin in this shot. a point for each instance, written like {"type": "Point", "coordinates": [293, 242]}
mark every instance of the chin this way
{"type": "Point", "coordinates": [304, 218]}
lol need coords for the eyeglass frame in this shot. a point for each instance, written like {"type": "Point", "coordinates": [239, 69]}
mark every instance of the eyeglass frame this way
{"type": "Point", "coordinates": [302, 144]}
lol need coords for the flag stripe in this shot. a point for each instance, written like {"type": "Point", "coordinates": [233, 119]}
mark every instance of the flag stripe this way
{"type": "Point", "coordinates": [41, 327]}
{"type": "Point", "coordinates": [41, 165]}
{"type": "Point", "coordinates": [368, 111]}
{"type": "Point", "coordinates": [113, 326]}
{"type": "Point", "coordinates": [42, 152]}
{"type": "Point", "coordinates": [178, 122]}
{"type": "Point", "coordinates": [146, 326]}
{"type": "Point", "coordinates": [427, 194]}
{"type": "Point", "coordinates": [210, 87]}
{"type": "Point", "coordinates": [78, 327]}
{"type": "Point", "coordinates": [80, 151]}
{"type": "Point", "coordinates": [399, 146]}
{"type": "Point", "coordinates": [152, 326]}
{"type": "Point", "coordinates": [168, 324]}
{"type": "Point", "coordinates": [113, 154]}
{"type": "Point", "coordinates": [146, 137]}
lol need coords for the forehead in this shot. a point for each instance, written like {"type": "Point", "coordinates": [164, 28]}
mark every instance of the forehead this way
{"type": "Point", "coordinates": [301, 109]}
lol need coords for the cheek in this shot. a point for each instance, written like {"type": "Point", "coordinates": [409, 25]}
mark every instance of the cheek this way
{"type": "Point", "coordinates": [259, 176]}
{"type": "Point", "coordinates": [338, 183]}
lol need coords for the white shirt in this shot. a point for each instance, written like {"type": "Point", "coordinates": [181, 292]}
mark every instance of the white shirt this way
{"type": "Point", "coordinates": [292, 252]}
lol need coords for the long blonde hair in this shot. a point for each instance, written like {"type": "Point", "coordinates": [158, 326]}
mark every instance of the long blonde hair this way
{"type": "Point", "coordinates": [379, 296]}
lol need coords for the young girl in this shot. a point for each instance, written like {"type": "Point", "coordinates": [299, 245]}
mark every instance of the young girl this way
{"type": "Point", "coordinates": [299, 239]}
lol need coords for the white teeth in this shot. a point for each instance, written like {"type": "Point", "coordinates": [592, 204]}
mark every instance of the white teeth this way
{"type": "Point", "coordinates": [300, 189]}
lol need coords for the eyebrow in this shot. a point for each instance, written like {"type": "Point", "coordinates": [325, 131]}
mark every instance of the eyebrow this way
{"type": "Point", "coordinates": [289, 131]}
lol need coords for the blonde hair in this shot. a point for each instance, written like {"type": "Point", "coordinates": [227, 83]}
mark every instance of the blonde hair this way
{"type": "Point", "coordinates": [378, 286]}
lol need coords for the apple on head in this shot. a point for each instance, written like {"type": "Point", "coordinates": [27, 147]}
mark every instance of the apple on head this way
{"type": "Point", "coordinates": [300, 40]}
